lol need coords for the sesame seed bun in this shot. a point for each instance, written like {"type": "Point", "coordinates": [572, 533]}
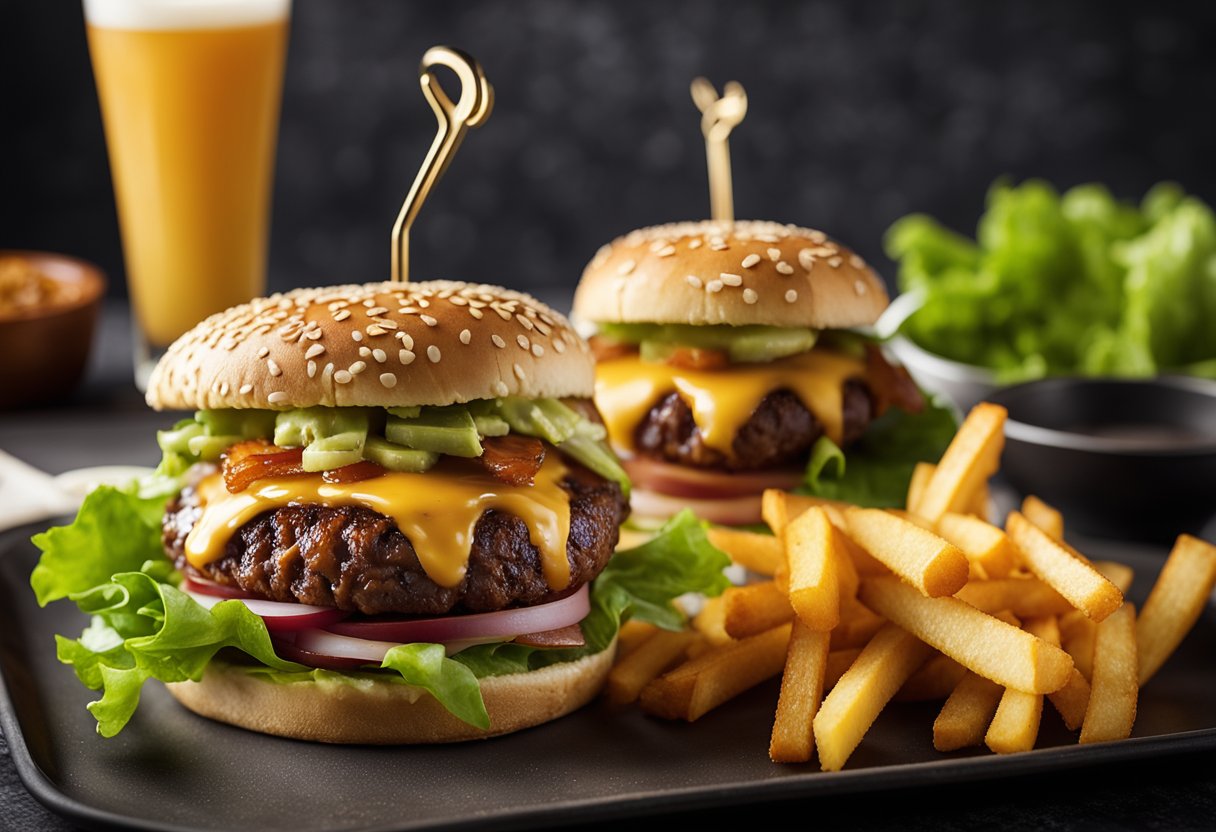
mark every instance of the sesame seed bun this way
{"type": "Point", "coordinates": [377, 345]}
{"type": "Point", "coordinates": [385, 713]}
{"type": "Point", "coordinates": [745, 272]}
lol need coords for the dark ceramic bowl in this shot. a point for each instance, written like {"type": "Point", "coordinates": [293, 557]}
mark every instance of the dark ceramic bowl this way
{"type": "Point", "coordinates": [1120, 458]}
{"type": "Point", "coordinates": [44, 351]}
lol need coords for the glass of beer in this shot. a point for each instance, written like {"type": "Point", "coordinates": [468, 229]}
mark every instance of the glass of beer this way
{"type": "Point", "coordinates": [190, 93]}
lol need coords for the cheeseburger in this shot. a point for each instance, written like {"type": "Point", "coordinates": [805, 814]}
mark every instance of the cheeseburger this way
{"type": "Point", "coordinates": [381, 527]}
{"type": "Point", "coordinates": [724, 361]}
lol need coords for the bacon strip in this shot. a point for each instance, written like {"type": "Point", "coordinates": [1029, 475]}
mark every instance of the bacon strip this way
{"type": "Point", "coordinates": [247, 462]}
{"type": "Point", "coordinates": [605, 349]}
{"type": "Point", "coordinates": [355, 472]}
{"type": "Point", "coordinates": [890, 385]}
{"type": "Point", "coordinates": [513, 459]}
{"type": "Point", "coordinates": [571, 636]}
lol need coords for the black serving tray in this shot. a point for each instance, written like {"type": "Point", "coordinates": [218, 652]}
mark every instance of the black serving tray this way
{"type": "Point", "coordinates": [172, 770]}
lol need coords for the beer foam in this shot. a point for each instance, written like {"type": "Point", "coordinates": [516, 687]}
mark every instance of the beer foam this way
{"type": "Point", "coordinates": [183, 14]}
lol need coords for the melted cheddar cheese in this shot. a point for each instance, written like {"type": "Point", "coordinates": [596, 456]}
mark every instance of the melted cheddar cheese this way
{"type": "Point", "coordinates": [436, 510]}
{"type": "Point", "coordinates": [722, 400]}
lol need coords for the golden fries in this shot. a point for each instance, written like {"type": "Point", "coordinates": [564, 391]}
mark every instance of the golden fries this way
{"type": "Point", "coordinates": [1115, 687]}
{"type": "Point", "coordinates": [654, 655]}
{"type": "Point", "coordinates": [1119, 574]}
{"type": "Point", "coordinates": [814, 589]}
{"type": "Point", "coordinates": [801, 690]}
{"type": "Point", "coordinates": [752, 609]}
{"type": "Point", "coordinates": [711, 621]}
{"type": "Point", "coordinates": [1077, 636]}
{"type": "Point", "coordinates": [1043, 516]}
{"type": "Point", "coordinates": [967, 713]}
{"type": "Point", "coordinates": [1072, 699]}
{"type": "Point", "coordinates": [858, 624]}
{"type": "Point", "coordinates": [779, 507]}
{"type": "Point", "coordinates": [1063, 568]}
{"type": "Point", "coordinates": [1176, 602]}
{"type": "Point", "coordinates": [632, 634]}
{"type": "Point", "coordinates": [987, 547]}
{"type": "Point", "coordinates": [838, 662]}
{"type": "Point", "coordinates": [935, 680]}
{"type": "Point", "coordinates": [760, 553]}
{"type": "Point", "coordinates": [971, 458]}
{"type": "Point", "coordinates": [856, 700]}
{"type": "Point", "coordinates": [998, 651]}
{"type": "Point", "coordinates": [934, 566]}
{"type": "Point", "coordinates": [1015, 726]}
{"type": "Point", "coordinates": [1024, 597]}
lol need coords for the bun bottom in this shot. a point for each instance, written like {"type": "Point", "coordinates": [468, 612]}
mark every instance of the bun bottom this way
{"type": "Point", "coordinates": [376, 713]}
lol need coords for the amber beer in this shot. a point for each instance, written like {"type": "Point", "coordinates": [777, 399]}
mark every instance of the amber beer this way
{"type": "Point", "coordinates": [189, 94]}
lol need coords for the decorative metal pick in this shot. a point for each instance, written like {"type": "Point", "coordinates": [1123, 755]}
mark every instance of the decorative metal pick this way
{"type": "Point", "coordinates": [719, 115]}
{"type": "Point", "coordinates": [470, 110]}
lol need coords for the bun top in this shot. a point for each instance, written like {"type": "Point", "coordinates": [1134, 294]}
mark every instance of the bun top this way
{"type": "Point", "coordinates": [746, 272]}
{"type": "Point", "coordinates": [378, 345]}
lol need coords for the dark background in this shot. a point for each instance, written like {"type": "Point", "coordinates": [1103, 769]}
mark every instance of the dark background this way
{"type": "Point", "coordinates": [859, 113]}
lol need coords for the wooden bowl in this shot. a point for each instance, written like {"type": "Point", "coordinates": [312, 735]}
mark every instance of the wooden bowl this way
{"type": "Point", "coordinates": [44, 351]}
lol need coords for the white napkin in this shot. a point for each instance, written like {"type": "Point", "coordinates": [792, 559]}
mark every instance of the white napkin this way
{"type": "Point", "coordinates": [28, 495]}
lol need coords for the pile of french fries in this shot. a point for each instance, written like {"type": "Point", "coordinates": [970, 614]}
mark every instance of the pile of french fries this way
{"type": "Point", "coordinates": [859, 607]}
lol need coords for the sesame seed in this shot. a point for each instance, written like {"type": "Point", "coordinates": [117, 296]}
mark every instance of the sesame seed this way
{"type": "Point", "coordinates": [525, 322]}
{"type": "Point", "coordinates": [428, 320]}
{"type": "Point", "coordinates": [719, 246]}
{"type": "Point", "coordinates": [343, 377]}
{"type": "Point", "coordinates": [729, 279]}
{"type": "Point", "coordinates": [388, 379]}
{"type": "Point", "coordinates": [314, 351]}
{"type": "Point", "coordinates": [806, 258]}
{"type": "Point", "coordinates": [432, 352]}
{"type": "Point", "coordinates": [498, 342]}
{"type": "Point", "coordinates": [859, 286]}
{"type": "Point", "coordinates": [519, 371]}
{"type": "Point", "coordinates": [424, 303]}
{"type": "Point", "coordinates": [817, 236]}
{"type": "Point", "coordinates": [385, 323]}
{"type": "Point", "coordinates": [277, 397]}
{"type": "Point", "coordinates": [856, 262]}
{"type": "Point", "coordinates": [626, 267]}
{"type": "Point", "coordinates": [369, 303]}
{"type": "Point", "coordinates": [314, 335]}
{"type": "Point", "coordinates": [312, 369]}
{"type": "Point", "coordinates": [750, 296]}
{"type": "Point", "coordinates": [405, 357]}
{"type": "Point", "coordinates": [658, 245]}
{"type": "Point", "coordinates": [376, 311]}
{"type": "Point", "coordinates": [358, 367]}
{"type": "Point", "coordinates": [543, 328]}
{"type": "Point", "coordinates": [538, 350]}
{"type": "Point", "coordinates": [263, 352]}
{"type": "Point", "coordinates": [380, 356]}
{"type": "Point", "coordinates": [693, 281]}
{"type": "Point", "coordinates": [694, 243]}
{"type": "Point", "coordinates": [667, 251]}
{"type": "Point", "coordinates": [365, 352]}
{"type": "Point", "coordinates": [356, 335]}
{"type": "Point", "coordinates": [224, 388]}
{"type": "Point", "coordinates": [559, 347]}
{"type": "Point", "coordinates": [522, 340]}
{"type": "Point", "coordinates": [500, 387]}
{"type": "Point", "coordinates": [774, 254]}
{"type": "Point", "coordinates": [791, 295]}
{"type": "Point", "coordinates": [713, 286]}
{"type": "Point", "coordinates": [834, 262]}
{"type": "Point", "coordinates": [505, 314]}
{"type": "Point", "coordinates": [407, 340]}
{"type": "Point", "coordinates": [475, 312]}
{"type": "Point", "coordinates": [784, 267]}
{"type": "Point", "coordinates": [273, 366]}
{"type": "Point", "coordinates": [465, 336]}
{"type": "Point", "coordinates": [751, 260]}
{"type": "Point", "coordinates": [457, 300]}
{"type": "Point", "coordinates": [374, 330]}
{"type": "Point", "coordinates": [246, 389]}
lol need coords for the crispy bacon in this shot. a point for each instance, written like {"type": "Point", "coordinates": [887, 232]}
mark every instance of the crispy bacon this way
{"type": "Point", "coordinates": [247, 462]}
{"type": "Point", "coordinates": [571, 636]}
{"type": "Point", "coordinates": [605, 349]}
{"type": "Point", "coordinates": [696, 358]}
{"type": "Point", "coordinates": [890, 385]}
{"type": "Point", "coordinates": [513, 459]}
{"type": "Point", "coordinates": [355, 472]}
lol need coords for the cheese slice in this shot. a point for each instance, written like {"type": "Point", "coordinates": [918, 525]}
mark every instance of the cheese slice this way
{"type": "Point", "coordinates": [436, 510]}
{"type": "Point", "coordinates": [722, 400]}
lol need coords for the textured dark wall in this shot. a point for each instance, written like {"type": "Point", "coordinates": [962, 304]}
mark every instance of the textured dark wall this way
{"type": "Point", "coordinates": [859, 112]}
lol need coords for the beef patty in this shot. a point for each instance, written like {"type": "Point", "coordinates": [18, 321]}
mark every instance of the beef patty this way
{"type": "Point", "coordinates": [356, 559]}
{"type": "Point", "coordinates": [780, 432]}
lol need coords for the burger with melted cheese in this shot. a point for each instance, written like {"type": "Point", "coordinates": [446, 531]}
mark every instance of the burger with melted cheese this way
{"type": "Point", "coordinates": [724, 361]}
{"type": "Point", "coordinates": [381, 527]}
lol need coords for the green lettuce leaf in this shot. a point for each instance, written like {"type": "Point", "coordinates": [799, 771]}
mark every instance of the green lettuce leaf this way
{"type": "Point", "coordinates": [877, 468]}
{"type": "Point", "coordinates": [110, 563]}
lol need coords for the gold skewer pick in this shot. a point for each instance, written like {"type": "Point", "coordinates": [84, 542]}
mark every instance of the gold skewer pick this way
{"type": "Point", "coordinates": [471, 110]}
{"type": "Point", "coordinates": [719, 115]}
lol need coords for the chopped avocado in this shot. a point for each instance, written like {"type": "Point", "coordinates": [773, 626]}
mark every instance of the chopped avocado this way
{"type": "Point", "coordinates": [744, 344]}
{"type": "Point", "coordinates": [596, 456]}
{"type": "Point", "coordinates": [441, 430]}
{"type": "Point", "coordinates": [334, 451]}
{"type": "Point", "coordinates": [176, 440]}
{"type": "Point", "coordinates": [405, 412]}
{"type": "Point", "coordinates": [210, 447]}
{"type": "Point", "coordinates": [246, 424]}
{"type": "Point", "coordinates": [304, 426]}
{"type": "Point", "coordinates": [396, 457]}
{"type": "Point", "coordinates": [546, 419]}
{"type": "Point", "coordinates": [491, 424]}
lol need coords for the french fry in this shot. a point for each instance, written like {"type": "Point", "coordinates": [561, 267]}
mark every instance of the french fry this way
{"type": "Point", "coordinates": [774, 511]}
{"type": "Point", "coordinates": [801, 691]}
{"type": "Point", "coordinates": [779, 507]}
{"type": "Point", "coordinates": [752, 609]}
{"type": "Point", "coordinates": [1024, 597]}
{"type": "Point", "coordinates": [986, 546]}
{"type": "Point", "coordinates": [760, 553]}
{"type": "Point", "coordinates": [654, 655]}
{"type": "Point", "coordinates": [981, 504]}
{"type": "Point", "coordinates": [1115, 686]}
{"type": "Point", "coordinates": [838, 662]}
{"type": "Point", "coordinates": [1063, 568]}
{"type": "Point", "coordinates": [858, 624]}
{"type": "Point", "coordinates": [1011, 657]}
{"type": "Point", "coordinates": [631, 635]}
{"type": "Point", "coordinates": [933, 682]}
{"type": "Point", "coordinates": [971, 458]}
{"type": "Point", "coordinates": [1119, 574]}
{"type": "Point", "coordinates": [711, 621]}
{"type": "Point", "coordinates": [1175, 603]}
{"type": "Point", "coordinates": [934, 566]}
{"type": "Point", "coordinates": [1015, 726]}
{"type": "Point", "coordinates": [856, 700]}
{"type": "Point", "coordinates": [966, 715]}
{"type": "Point", "coordinates": [1044, 516]}
{"type": "Point", "coordinates": [814, 569]}
{"type": "Point", "coordinates": [1072, 699]}
{"type": "Point", "coordinates": [692, 689]}
{"type": "Point", "coordinates": [921, 474]}
{"type": "Point", "coordinates": [1077, 636]}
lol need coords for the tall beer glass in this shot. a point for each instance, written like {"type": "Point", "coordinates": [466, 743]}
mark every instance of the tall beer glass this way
{"type": "Point", "coordinates": [190, 93]}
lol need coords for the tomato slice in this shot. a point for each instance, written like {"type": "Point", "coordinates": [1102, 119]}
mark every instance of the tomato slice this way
{"type": "Point", "coordinates": [730, 511]}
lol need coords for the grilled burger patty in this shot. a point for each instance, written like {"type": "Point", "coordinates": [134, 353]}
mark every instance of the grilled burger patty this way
{"type": "Point", "coordinates": [779, 433]}
{"type": "Point", "coordinates": [356, 559]}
